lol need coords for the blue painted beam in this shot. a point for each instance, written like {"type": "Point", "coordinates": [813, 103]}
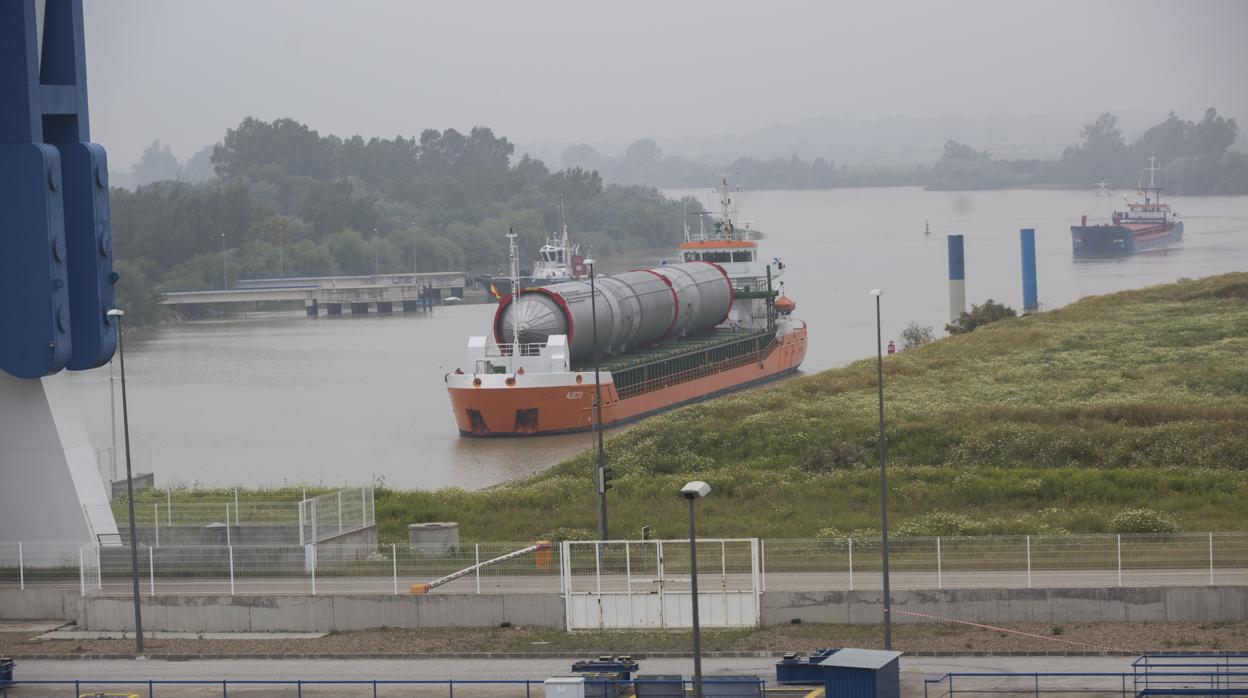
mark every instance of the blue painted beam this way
{"type": "Point", "coordinates": [1027, 242]}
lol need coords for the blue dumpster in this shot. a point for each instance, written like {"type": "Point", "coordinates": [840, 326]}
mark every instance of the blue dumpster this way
{"type": "Point", "coordinates": [6, 672]}
{"type": "Point", "coordinates": [855, 673]}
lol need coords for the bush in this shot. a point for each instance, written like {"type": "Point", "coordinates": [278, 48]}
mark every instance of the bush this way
{"type": "Point", "coordinates": [1142, 521]}
{"type": "Point", "coordinates": [825, 458]}
{"type": "Point", "coordinates": [939, 523]}
{"type": "Point", "coordinates": [991, 311]}
{"type": "Point", "coordinates": [916, 335]}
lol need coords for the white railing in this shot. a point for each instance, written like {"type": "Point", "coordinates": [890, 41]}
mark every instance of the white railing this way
{"type": "Point", "coordinates": [335, 514]}
{"type": "Point", "coordinates": [844, 564]}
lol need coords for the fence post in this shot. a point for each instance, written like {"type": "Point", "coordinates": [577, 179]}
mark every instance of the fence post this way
{"type": "Point", "coordinates": [1028, 562]}
{"type": "Point", "coordinates": [394, 566]}
{"type": "Point", "coordinates": [156, 521]}
{"type": "Point", "coordinates": [340, 512]}
{"type": "Point", "coordinates": [363, 507]}
{"type": "Point", "coordinates": [940, 580]}
{"type": "Point", "coordinates": [235, 506]}
{"type": "Point", "coordinates": [21, 565]}
{"type": "Point", "coordinates": [851, 563]}
{"type": "Point", "coordinates": [151, 571]}
{"type": "Point", "coordinates": [314, 532]}
{"type": "Point", "coordinates": [302, 522]}
{"type": "Point", "coordinates": [762, 564]}
{"type": "Point", "coordinates": [169, 505]}
{"type": "Point", "coordinates": [1119, 559]}
{"type": "Point", "coordinates": [82, 573]}
{"type": "Point", "coordinates": [99, 568]}
{"type": "Point", "coordinates": [313, 547]}
{"type": "Point", "coordinates": [477, 548]}
{"type": "Point", "coordinates": [231, 551]}
{"type": "Point", "coordinates": [227, 524]}
{"type": "Point", "coordinates": [1211, 558]}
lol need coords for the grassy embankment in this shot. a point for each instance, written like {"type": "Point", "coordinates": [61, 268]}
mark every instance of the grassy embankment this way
{"type": "Point", "coordinates": [1051, 423]}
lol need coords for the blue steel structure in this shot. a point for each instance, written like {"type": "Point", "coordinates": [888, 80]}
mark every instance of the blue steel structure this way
{"type": "Point", "coordinates": [56, 257]}
{"type": "Point", "coordinates": [957, 260]}
{"type": "Point", "coordinates": [1027, 241]}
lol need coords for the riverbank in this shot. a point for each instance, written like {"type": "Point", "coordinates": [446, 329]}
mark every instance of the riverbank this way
{"type": "Point", "coordinates": [1060, 422]}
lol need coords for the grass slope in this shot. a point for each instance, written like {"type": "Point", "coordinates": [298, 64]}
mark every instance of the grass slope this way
{"type": "Point", "coordinates": [1054, 422]}
{"type": "Point", "coordinates": [1051, 423]}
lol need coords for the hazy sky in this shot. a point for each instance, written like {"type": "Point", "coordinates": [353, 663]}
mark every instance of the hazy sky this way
{"type": "Point", "coordinates": [183, 71]}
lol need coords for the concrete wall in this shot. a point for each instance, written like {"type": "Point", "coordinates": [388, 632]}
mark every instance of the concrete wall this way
{"type": "Point", "coordinates": [40, 604]}
{"type": "Point", "coordinates": [323, 613]}
{"type": "Point", "coordinates": [1228, 603]}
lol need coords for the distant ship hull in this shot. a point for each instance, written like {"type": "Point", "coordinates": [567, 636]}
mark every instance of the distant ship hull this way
{"type": "Point", "coordinates": [1094, 241]}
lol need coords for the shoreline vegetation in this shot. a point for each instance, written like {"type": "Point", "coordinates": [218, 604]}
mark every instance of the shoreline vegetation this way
{"type": "Point", "coordinates": [1122, 412]}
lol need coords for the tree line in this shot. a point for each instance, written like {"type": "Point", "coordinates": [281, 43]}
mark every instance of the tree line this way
{"type": "Point", "coordinates": [1196, 157]}
{"type": "Point", "coordinates": [286, 200]}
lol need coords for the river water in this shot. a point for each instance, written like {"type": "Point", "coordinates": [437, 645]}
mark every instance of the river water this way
{"type": "Point", "coordinates": [274, 398]}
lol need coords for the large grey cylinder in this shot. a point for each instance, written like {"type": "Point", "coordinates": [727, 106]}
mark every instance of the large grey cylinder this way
{"type": "Point", "coordinates": [634, 309]}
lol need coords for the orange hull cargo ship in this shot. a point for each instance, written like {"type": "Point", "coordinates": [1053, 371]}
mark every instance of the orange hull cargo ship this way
{"type": "Point", "coordinates": [663, 337]}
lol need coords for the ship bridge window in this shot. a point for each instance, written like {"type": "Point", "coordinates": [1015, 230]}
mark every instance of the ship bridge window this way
{"type": "Point", "coordinates": [747, 256]}
{"type": "Point", "coordinates": [692, 256]}
{"type": "Point", "coordinates": [717, 256]}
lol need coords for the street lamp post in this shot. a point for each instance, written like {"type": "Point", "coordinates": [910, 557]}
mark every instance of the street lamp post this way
{"type": "Point", "coordinates": [600, 466]}
{"type": "Point", "coordinates": [879, 368]}
{"type": "Point", "coordinates": [225, 278]}
{"type": "Point", "coordinates": [692, 492]}
{"type": "Point", "coordinates": [376, 253]}
{"type": "Point", "coordinates": [116, 316]}
{"type": "Point", "coordinates": [281, 251]}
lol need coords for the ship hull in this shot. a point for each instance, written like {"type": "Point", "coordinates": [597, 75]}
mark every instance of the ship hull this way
{"type": "Point", "coordinates": [1097, 241]}
{"type": "Point", "coordinates": [560, 403]}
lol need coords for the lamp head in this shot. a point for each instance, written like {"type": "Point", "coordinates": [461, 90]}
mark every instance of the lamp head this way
{"type": "Point", "coordinates": [115, 312]}
{"type": "Point", "coordinates": [876, 292]}
{"type": "Point", "coordinates": [695, 490]}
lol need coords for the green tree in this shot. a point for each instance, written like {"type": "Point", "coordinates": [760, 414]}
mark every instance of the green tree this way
{"type": "Point", "coordinates": [916, 335]}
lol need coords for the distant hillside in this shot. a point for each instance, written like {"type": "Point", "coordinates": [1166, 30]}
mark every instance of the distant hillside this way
{"type": "Point", "coordinates": [1050, 423]}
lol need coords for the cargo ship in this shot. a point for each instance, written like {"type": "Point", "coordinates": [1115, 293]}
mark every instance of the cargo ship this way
{"type": "Point", "coordinates": [1143, 226]}
{"type": "Point", "coordinates": [714, 322]}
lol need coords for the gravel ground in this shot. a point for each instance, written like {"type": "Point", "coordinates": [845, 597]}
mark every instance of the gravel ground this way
{"type": "Point", "coordinates": [911, 637]}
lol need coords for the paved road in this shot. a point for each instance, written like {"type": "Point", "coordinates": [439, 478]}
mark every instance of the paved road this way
{"type": "Point", "coordinates": [773, 581]}
{"type": "Point", "coordinates": [914, 670]}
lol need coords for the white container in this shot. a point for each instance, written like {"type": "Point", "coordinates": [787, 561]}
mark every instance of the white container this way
{"type": "Point", "coordinates": [565, 687]}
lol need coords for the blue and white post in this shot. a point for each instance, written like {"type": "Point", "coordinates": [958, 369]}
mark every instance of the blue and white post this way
{"type": "Point", "coordinates": [957, 278]}
{"type": "Point", "coordinates": [1027, 240]}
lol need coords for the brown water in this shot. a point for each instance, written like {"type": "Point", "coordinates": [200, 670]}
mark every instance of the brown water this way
{"type": "Point", "coordinates": [278, 398]}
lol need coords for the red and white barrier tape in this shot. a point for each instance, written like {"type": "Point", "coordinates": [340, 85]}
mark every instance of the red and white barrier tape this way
{"type": "Point", "coordinates": [942, 619]}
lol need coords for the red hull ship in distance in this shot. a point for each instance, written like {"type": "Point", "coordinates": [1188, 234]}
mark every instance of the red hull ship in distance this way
{"type": "Point", "coordinates": [664, 337]}
{"type": "Point", "coordinates": [1144, 225]}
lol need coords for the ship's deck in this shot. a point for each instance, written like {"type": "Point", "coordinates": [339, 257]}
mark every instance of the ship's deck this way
{"type": "Point", "coordinates": [673, 349]}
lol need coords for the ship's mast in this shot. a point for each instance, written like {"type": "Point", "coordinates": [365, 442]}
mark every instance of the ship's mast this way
{"type": "Point", "coordinates": [515, 293]}
{"type": "Point", "coordinates": [725, 204]}
{"type": "Point", "coordinates": [563, 231]}
{"type": "Point", "coordinates": [1151, 190]}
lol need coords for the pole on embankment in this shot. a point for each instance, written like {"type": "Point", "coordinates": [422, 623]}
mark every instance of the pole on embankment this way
{"type": "Point", "coordinates": [957, 278]}
{"type": "Point", "coordinates": [1027, 241]}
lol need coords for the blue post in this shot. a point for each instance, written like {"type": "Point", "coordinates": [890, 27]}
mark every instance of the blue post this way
{"type": "Point", "coordinates": [957, 278]}
{"type": "Point", "coordinates": [56, 257]}
{"type": "Point", "coordinates": [1027, 238]}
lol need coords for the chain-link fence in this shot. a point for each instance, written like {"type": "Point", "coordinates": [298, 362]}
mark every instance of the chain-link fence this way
{"type": "Point", "coordinates": [1183, 559]}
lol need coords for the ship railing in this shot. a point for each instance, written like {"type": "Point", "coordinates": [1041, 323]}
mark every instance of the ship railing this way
{"type": "Point", "coordinates": [509, 349]}
{"type": "Point", "coordinates": [698, 372]}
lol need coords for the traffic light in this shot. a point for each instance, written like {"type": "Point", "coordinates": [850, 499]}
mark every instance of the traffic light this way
{"type": "Point", "coordinates": [606, 478]}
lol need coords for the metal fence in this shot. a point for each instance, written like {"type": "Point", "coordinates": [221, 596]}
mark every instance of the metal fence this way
{"type": "Point", "coordinates": [234, 521]}
{"type": "Point", "coordinates": [1195, 674]}
{"type": "Point", "coordinates": [784, 565]}
{"type": "Point", "coordinates": [657, 686]}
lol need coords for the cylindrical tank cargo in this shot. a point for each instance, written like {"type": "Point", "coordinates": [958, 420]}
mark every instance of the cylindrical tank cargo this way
{"type": "Point", "coordinates": [635, 308]}
{"type": "Point", "coordinates": [558, 309]}
{"type": "Point", "coordinates": [703, 292]}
